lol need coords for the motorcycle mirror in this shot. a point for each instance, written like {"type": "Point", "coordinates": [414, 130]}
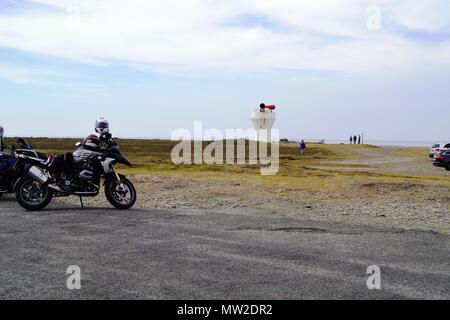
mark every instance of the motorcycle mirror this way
{"type": "Point", "coordinates": [78, 144]}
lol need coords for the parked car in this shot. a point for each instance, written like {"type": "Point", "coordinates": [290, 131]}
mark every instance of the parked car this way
{"type": "Point", "coordinates": [442, 159]}
{"type": "Point", "coordinates": [438, 147]}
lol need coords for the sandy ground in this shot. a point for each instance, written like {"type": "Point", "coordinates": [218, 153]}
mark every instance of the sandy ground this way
{"type": "Point", "coordinates": [408, 205]}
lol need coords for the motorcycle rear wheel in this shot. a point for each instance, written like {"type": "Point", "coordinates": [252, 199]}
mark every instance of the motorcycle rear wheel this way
{"type": "Point", "coordinates": [31, 195]}
{"type": "Point", "coordinates": [121, 195]}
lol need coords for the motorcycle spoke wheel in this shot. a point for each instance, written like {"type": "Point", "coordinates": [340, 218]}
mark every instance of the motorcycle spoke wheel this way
{"type": "Point", "coordinates": [32, 193]}
{"type": "Point", "coordinates": [122, 193]}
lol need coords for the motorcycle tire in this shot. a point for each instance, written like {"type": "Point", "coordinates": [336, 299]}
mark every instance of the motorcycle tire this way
{"type": "Point", "coordinates": [43, 200]}
{"type": "Point", "coordinates": [114, 196]}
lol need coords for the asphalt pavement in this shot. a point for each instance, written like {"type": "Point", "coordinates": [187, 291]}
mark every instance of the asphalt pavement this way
{"type": "Point", "coordinates": [153, 254]}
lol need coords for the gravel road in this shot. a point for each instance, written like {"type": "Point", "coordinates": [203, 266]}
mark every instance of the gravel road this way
{"type": "Point", "coordinates": [180, 254]}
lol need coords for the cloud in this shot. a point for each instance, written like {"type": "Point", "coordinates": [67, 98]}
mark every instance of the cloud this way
{"type": "Point", "coordinates": [16, 75]}
{"type": "Point", "coordinates": [23, 75]}
{"type": "Point", "coordinates": [198, 35]}
{"type": "Point", "coordinates": [430, 15]}
{"type": "Point", "coordinates": [27, 75]}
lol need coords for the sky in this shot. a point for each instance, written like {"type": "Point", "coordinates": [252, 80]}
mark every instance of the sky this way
{"type": "Point", "coordinates": [150, 67]}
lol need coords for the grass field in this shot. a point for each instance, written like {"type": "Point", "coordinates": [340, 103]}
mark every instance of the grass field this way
{"type": "Point", "coordinates": [343, 183]}
{"type": "Point", "coordinates": [320, 160]}
{"type": "Point", "coordinates": [341, 164]}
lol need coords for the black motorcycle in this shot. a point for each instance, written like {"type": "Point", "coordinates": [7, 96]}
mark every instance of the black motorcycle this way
{"type": "Point", "coordinates": [14, 163]}
{"type": "Point", "coordinates": [80, 174]}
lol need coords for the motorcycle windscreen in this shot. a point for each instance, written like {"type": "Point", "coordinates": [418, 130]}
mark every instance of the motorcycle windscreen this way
{"type": "Point", "coordinates": [23, 144]}
{"type": "Point", "coordinates": [122, 160]}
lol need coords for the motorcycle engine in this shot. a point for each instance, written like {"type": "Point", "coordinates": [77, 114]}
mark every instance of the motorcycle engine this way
{"type": "Point", "coordinates": [86, 175]}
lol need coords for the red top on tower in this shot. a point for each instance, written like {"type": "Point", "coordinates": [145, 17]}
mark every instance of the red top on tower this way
{"type": "Point", "coordinates": [264, 107]}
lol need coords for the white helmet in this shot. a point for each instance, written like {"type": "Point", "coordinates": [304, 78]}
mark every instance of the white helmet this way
{"type": "Point", "coordinates": [102, 126]}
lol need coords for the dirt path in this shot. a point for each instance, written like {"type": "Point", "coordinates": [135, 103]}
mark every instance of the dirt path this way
{"type": "Point", "coordinates": [392, 160]}
{"type": "Point", "coordinates": [406, 202]}
{"type": "Point", "coordinates": [407, 206]}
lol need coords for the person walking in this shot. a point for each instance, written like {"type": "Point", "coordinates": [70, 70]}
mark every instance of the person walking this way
{"type": "Point", "coordinates": [302, 147]}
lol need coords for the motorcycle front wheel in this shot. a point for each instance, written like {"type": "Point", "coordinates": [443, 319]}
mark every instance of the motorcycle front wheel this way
{"type": "Point", "coordinates": [31, 195]}
{"type": "Point", "coordinates": [122, 195]}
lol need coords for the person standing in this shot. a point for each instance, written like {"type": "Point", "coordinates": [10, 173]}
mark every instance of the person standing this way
{"type": "Point", "coordinates": [354, 139]}
{"type": "Point", "coordinates": [2, 142]}
{"type": "Point", "coordinates": [302, 147]}
{"type": "Point", "coordinates": [359, 139]}
{"type": "Point", "coordinates": [351, 139]}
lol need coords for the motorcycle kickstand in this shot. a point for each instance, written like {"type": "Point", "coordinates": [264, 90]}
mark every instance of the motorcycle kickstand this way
{"type": "Point", "coordinates": [81, 202]}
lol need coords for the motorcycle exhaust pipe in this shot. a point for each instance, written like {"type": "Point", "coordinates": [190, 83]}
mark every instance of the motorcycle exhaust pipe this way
{"type": "Point", "coordinates": [54, 188]}
{"type": "Point", "coordinates": [38, 175]}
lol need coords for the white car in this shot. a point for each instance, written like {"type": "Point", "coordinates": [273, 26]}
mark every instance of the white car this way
{"type": "Point", "coordinates": [438, 147]}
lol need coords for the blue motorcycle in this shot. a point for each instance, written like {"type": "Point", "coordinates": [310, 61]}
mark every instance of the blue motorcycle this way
{"type": "Point", "coordinates": [13, 165]}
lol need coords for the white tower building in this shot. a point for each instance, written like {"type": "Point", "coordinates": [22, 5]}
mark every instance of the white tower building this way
{"type": "Point", "coordinates": [263, 120]}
